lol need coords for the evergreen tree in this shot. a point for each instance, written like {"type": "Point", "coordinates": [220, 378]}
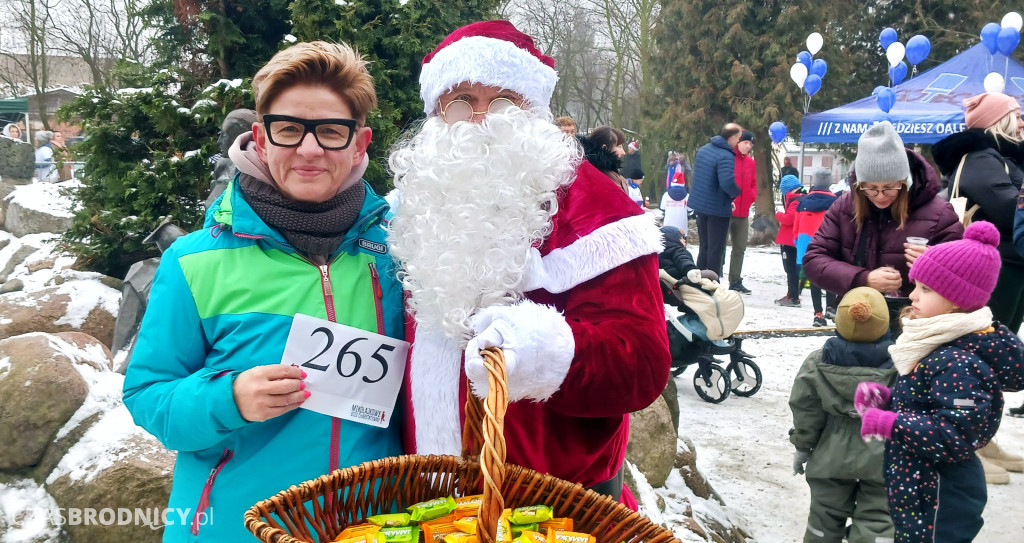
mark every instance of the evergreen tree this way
{"type": "Point", "coordinates": [393, 36]}
{"type": "Point", "coordinates": [735, 68]}
{"type": "Point", "coordinates": [213, 39]}
{"type": "Point", "coordinates": [146, 157]}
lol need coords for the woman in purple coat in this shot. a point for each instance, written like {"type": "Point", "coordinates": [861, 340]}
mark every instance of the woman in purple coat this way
{"type": "Point", "coordinates": [862, 239]}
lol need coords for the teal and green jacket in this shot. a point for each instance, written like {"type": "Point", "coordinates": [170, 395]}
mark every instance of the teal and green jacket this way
{"type": "Point", "coordinates": [222, 302]}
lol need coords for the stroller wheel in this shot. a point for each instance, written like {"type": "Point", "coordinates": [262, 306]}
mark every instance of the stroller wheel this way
{"type": "Point", "coordinates": [678, 367]}
{"type": "Point", "coordinates": [711, 383]}
{"type": "Point", "coordinates": [745, 376]}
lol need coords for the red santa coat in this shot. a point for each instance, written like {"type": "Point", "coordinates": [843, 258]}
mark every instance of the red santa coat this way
{"type": "Point", "coordinates": [602, 267]}
{"type": "Point", "coordinates": [746, 180]}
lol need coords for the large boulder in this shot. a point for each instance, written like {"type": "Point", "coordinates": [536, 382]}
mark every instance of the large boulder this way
{"type": "Point", "coordinates": [652, 442]}
{"type": "Point", "coordinates": [115, 466]}
{"type": "Point", "coordinates": [38, 208]}
{"type": "Point", "coordinates": [41, 390]}
{"type": "Point", "coordinates": [17, 158]}
{"type": "Point", "coordinates": [75, 306]}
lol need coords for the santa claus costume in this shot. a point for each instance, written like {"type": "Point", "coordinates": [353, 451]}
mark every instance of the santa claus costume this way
{"type": "Point", "coordinates": [506, 237]}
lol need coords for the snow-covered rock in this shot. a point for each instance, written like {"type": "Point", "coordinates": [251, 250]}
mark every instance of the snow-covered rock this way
{"type": "Point", "coordinates": [27, 514]}
{"type": "Point", "coordinates": [41, 390]}
{"type": "Point", "coordinates": [38, 208]}
{"type": "Point", "coordinates": [79, 305]}
{"type": "Point", "coordinates": [117, 466]}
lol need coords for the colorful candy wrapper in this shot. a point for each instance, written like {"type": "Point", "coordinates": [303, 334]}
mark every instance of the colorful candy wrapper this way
{"type": "Point", "coordinates": [555, 536]}
{"type": "Point", "coordinates": [432, 509]}
{"type": "Point", "coordinates": [390, 520]}
{"type": "Point", "coordinates": [531, 514]}
{"type": "Point", "coordinates": [436, 532]}
{"type": "Point", "coordinates": [357, 530]}
{"type": "Point", "coordinates": [460, 537]}
{"type": "Point", "coordinates": [402, 534]}
{"type": "Point", "coordinates": [555, 524]}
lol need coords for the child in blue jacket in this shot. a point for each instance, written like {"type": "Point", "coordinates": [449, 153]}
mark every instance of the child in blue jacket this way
{"type": "Point", "coordinates": [947, 401]}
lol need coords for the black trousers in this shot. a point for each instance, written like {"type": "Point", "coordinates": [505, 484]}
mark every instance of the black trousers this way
{"type": "Point", "coordinates": [830, 299]}
{"type": "Point", "coordinates": [792, 271]}
{"type": "Point", "coordinates": [712, 231]}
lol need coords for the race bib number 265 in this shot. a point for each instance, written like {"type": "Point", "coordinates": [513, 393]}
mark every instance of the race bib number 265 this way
{"type": "Point", "coordinates": [352, 374]}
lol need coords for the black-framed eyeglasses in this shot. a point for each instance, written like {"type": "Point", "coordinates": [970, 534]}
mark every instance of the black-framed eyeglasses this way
{"type": "Point", "coordinates": [885, 192]}
{"type": "Point", "coordinates": [461, 110]}
{"type": "Point", "coordinates": [330, 134]}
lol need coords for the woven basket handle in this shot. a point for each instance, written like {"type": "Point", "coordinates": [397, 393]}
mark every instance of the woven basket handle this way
{"type": "Point", "coordinates": [484, 434]}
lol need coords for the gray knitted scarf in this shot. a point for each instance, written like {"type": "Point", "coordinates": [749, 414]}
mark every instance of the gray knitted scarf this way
{"type": "Point", "coordinates": [312, 228]}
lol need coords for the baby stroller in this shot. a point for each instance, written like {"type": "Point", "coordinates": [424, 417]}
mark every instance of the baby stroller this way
{"type": "Point", "coordinates": [701, 330]}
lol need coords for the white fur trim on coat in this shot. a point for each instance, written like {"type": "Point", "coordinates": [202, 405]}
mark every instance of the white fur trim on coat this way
{"type": "Point", "coordinates": [604, 249]}
{"type": "Point", "coordinates": [544, 348]}
{"type": "Point", "coordinates": [435, 367]}
{"type": "Point", "coordinates": [489, 61]}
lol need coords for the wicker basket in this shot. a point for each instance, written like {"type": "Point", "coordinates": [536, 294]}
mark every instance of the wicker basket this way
{"type": "Point", "coordinates": [318, 510]}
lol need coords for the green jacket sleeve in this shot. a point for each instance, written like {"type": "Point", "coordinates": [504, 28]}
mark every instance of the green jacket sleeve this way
{"type": "Point", "coordinates": [808, 415]}
{"type": "Point", "coordinates": [167, 388]}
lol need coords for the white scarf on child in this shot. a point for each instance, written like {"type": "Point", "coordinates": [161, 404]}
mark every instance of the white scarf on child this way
{"type": "Point", "coordinates": [921, 336]}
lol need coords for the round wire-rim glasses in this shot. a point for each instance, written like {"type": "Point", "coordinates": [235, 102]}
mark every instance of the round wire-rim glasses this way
{"type": "Point", "coordinates": [889, 192]}
{"type": "Point", "coordinates": [330, 134]}
{"type": "Point", "coordinates": [460, 110]}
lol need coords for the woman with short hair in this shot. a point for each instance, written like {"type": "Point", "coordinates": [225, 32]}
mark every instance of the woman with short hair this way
{"type": "Point", "coordinates": [297, 233]}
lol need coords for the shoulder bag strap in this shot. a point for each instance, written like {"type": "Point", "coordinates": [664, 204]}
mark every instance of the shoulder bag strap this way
{"type": "Point", "coordinates": [955, 193]}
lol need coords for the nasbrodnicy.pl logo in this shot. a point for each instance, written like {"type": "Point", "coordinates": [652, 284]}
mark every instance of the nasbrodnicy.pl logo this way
{"type": "Point", "coordinates": [154, 518]}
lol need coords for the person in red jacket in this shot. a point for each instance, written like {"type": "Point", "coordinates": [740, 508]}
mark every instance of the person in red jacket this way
{"type": "Point", "coordinates": [792, 190]}
{"type": "Point", "coordinates": [505, 237]}
{"type": "Point", "coordinates": [809, 214]}
{"type": "Point", "coordinates": [739, 224]}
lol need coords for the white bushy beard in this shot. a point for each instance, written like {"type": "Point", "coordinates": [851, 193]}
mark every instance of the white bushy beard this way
{"type": "Point", "coordinates": [475, 197]}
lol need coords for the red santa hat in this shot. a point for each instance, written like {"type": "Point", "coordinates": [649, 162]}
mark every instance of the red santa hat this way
{"type": "Point", "coordinates": [492, 53]}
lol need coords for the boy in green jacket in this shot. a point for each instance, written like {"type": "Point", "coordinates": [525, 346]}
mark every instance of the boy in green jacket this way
{"type": "Point", "coordinates": [843, 471]}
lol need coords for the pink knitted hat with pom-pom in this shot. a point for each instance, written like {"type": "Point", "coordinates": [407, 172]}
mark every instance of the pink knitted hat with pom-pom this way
{"type": "Point", "coordinates": [965, 271]}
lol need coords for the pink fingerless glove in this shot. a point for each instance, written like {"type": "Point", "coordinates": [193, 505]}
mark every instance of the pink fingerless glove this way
{"type": "Point", "coordinates": [877, 424]}
{"type": "Point", "coordinates": [871, 394]}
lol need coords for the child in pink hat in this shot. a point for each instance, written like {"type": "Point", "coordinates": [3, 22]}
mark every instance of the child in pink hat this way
{"type": "Point", "coordinates": [947, 400]}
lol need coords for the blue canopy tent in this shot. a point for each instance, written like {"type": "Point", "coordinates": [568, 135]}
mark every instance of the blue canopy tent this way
{"type": "Point", "coordinates": [928, 107]}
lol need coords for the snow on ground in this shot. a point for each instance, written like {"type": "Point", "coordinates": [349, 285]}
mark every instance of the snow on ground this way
{"type": "Point", "coordinates": [742, 443]}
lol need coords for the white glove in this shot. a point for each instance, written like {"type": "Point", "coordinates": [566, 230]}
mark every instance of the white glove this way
{"type": "Point", "coordinates": [694, 276]}
{"type": "Point", "coordinates": [538, 345]}
{"type": "Point", "coordinates": [499, 333]}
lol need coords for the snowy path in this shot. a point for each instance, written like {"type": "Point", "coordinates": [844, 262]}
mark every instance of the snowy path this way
{"type": "Point", "coordinates": [742, 443]}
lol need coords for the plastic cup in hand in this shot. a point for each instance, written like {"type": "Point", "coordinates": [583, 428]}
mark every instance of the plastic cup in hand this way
{"type": "Point", "coordinates": [914, 240]}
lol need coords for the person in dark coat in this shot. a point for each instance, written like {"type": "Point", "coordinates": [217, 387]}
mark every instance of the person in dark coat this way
{"type": "Point", "coordinates": [674, 259]}
{"type": "Point", "coordinates": [711, 196]}
{"type": "Point", "coordinates": [862, 239]}
{"type": "Point", "coordinates": [947, 401]}
{"type": "Point", "coordinates": [788, 169]}
{"type": "Point", "coordinates": [991, 175]}
{"type": "Point", "coordinates": [603, 149]}
{"type": "Point", "coordinates": [843, 471]}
